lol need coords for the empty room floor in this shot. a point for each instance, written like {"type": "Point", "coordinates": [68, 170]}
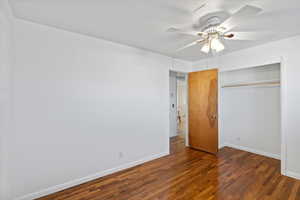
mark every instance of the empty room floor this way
{"type": "Point", "coordinates": [192, 175]}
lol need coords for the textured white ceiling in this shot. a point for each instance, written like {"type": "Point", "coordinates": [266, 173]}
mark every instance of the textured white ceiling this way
{"type": "Point", "coordinates": [143, 23]}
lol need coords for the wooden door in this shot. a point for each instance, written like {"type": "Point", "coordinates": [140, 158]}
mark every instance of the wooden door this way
{"type": "Point", "coordinates": [203, 110]}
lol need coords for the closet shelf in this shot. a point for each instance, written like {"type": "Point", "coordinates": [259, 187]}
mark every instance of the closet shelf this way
{"type": "Point", "coordinates": [255, 84]}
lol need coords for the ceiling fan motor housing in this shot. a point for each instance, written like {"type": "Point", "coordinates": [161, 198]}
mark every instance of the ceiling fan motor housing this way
{"type": "Point", "coordinates": [211, 25]}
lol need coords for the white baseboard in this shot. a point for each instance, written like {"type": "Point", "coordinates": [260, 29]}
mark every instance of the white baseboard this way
{"type": "Point", "coordinates": [292, 175]}
{"type": "Point", "coordinates": [263, 153]}
{"type": "Point", "coordinates": [75, 182]}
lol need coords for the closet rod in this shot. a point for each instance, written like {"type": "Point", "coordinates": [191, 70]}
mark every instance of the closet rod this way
{"type": "Point", "coordinates": [273, 83]}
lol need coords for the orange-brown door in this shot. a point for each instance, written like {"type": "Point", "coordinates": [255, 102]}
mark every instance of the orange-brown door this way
{"type": "Point", "coordinates": [203, 110]}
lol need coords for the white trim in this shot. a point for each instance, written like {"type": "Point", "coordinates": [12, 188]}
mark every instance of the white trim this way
{"type": "Point", "coordinates": [255, 151]}
{"type": "Point", "coordinates": [187, 144]}
{"type": "Point", "coordinates": [220, 141]}
{"type": "Point", "coordinates": [75, 182]}
{"type": "Point", "coordinates": [293, 175]}
{"type": "Point", "coordinates": [283, 116]}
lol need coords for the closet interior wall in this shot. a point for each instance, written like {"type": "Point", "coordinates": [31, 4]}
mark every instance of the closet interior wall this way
{"type": "Point", "coordinates": [250, 109]}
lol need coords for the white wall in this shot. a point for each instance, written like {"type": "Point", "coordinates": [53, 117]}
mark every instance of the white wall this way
{"type": "Point", "coordinates": [5, 94]}
{"type": "Point", "coordinates": [181, 66]}
{"type": "Point", "coordinates": [82, 108]}
{"type": "Point", "coordinates": [287, 51]}
{"type": "Point", "coordinates": [251, 119]}
{"type": "Point", "coordinates": [3, 102]}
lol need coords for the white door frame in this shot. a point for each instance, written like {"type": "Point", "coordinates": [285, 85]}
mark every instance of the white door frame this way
{"type": "Point", "coordinates": [283, 116]}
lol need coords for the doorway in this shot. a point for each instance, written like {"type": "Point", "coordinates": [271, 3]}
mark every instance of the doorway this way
{"type": "Point", "coordinates": [181, 105]}
{"type": "Point", "coordinates": [178, 105]}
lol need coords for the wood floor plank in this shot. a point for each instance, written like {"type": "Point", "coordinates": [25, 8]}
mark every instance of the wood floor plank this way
{"type": "Point", "coordinates": [187, 174]}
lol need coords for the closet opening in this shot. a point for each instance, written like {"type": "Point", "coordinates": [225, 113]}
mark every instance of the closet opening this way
{"type": "Point", "coordinates": [250, 109]}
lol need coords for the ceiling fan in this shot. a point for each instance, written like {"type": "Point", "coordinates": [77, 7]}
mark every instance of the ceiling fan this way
{"type": "Point", "coordinates": [215, 31]}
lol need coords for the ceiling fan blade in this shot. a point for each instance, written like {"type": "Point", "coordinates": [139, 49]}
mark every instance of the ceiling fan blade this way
{"type": "Point", "coordinates": [236, 18]}
{"type": "Point", "coordinates": [185, 31]}
{"type": "Point", "coordinates": [200, 7]}
{"type": "Point", "coordinates": [245, 36]}
{"type": "Point", "coordinates": [189, 45]}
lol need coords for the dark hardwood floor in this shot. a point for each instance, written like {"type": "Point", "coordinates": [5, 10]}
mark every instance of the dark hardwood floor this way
{"type": "Point", "coordinates": [187, 174]}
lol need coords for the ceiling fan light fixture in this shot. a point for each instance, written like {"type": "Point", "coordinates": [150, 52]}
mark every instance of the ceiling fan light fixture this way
{"type": "Point", "coordinates": [205, 48]}
{"type": "Point", "coordinates": [217, 45]}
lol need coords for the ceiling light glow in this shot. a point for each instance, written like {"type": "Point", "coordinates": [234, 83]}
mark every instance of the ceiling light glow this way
{"type": "Point", "coordinates": [217, 45]}
{"type": "Point", "coordinates": [205, 48]}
